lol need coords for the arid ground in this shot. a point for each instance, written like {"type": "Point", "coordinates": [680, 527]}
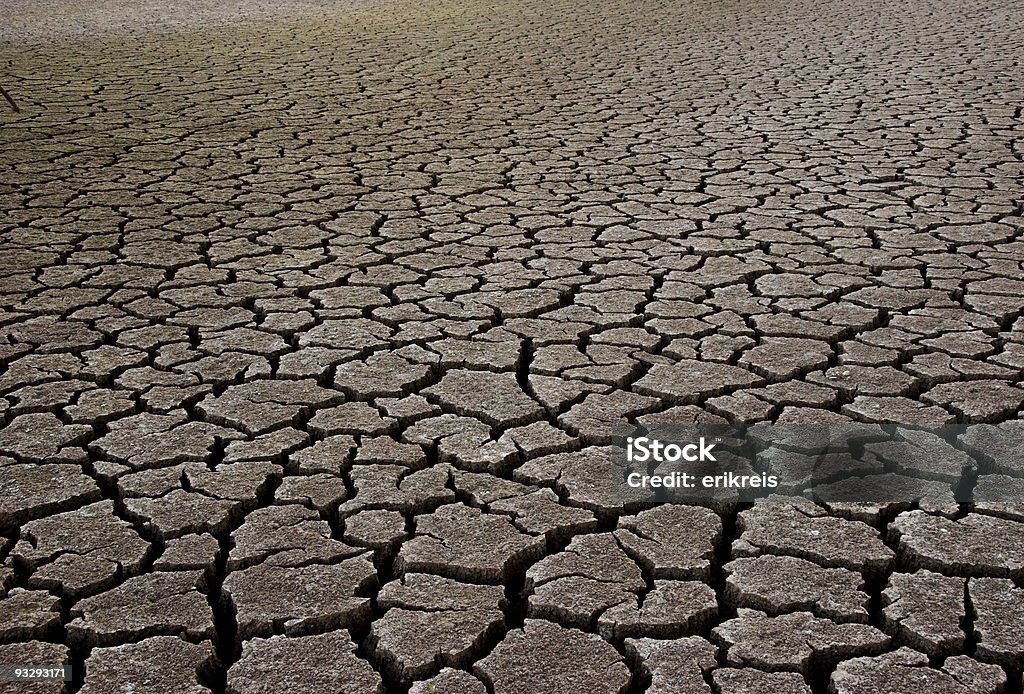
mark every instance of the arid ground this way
{"type": "Point", "coordinates": [316, 317]}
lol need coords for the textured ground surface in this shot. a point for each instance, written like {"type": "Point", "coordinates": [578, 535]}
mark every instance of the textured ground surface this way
{"type": "Point", "coordinates": [314, 319]}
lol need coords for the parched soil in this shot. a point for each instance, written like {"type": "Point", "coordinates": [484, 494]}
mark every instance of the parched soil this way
{"type": "Point", "coordinates": [315, 318]}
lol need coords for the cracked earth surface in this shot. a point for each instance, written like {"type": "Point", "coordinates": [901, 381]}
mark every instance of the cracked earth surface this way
{"type": "Point", "coordinates": [316, 317]}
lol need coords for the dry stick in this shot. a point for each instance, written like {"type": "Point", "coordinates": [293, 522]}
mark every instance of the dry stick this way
{"type": "Point", "coordinates": [10, 100]}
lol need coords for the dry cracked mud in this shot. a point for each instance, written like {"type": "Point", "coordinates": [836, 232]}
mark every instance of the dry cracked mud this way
{"type": "Point", "coordinates": [316, 317]}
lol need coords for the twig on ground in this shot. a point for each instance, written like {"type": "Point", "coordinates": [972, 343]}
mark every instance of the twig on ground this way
{"type": "Point", "coordinates": [10, 100]}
